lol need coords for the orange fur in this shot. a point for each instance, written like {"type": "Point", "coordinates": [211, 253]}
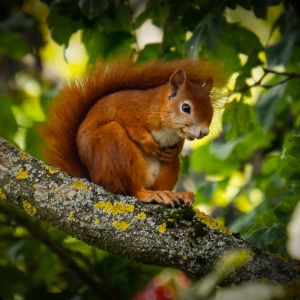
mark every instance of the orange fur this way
{"type": "Point", "coordinates": [107, 141]}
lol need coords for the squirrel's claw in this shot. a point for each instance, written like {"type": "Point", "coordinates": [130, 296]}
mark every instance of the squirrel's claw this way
{"type": "Point", "coordinates": [166, 197]}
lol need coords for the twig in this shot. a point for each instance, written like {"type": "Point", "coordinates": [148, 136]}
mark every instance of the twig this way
{"type": "Point", "coordinates": [247, 87]}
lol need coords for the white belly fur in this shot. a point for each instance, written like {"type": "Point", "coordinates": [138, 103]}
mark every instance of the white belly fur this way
{"type": "Point", "coordinates": [165, 138]}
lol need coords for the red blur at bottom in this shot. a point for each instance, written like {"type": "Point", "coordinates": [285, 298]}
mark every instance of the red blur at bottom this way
{"type": "Point", "coordinates": [160, 287]}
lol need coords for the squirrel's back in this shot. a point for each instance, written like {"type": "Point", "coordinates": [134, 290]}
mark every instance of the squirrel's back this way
{"type": "Point", "coordinates": [70, 107]}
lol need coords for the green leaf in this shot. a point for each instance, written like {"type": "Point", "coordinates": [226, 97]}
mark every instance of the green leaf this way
{"type": "Point", "coordinates": [271, 164]}
{"type": "Point", "coordinates": [266, 106]}
{"type": "Point", "coordinates": [107, 45]}
{"type": "Point", "coordinates": [11, 278]}
{"type": "Point", "coordinates": [291, 163]}
{"type": "Point", "coordinates": [292, 147]}
{"type": "Point", "coordinates": [290, 172]}
{"type": "Point", "coordinates": [202, 159]}
{"type": "Point", "coordinates": [8, 124]}
{"type": "Point", "coordinates": [64, 19]}
{"type": "Point", "coordinates": [240, 119]}
{"type": "Point", "coordinates": [157, 11]}
{"type": "Point", "coordinates": [254, 140]}
{"type": "Point", "coordinates": [269, 239]}
{"type": "Point", "coordinates": [277, 231]}
{"type": "Point", "coordinates": [116, 19]}
{"type": "Point", "coordinates": [285, 209]}
{"type": "Point", "coordinates": [33, 144]}
{"type": "Point", "coordinates": [205, 191]}
{"type": "Point", "coordinates": [269, 218]}
{"type": "Point", "coordinates": [223, 150]}
{"type": "Point", "coordinates": [151, 51]}
{"type": "Point", "coordinates": [207, 33]}
{"type": "Point", "coordinates": [92, 8]}
{"type": "Point", "coordinates": [255, 237]}
{"type": "Point", "coordinates": [13, 45]}
{"type": "Point", "coordinates": [19, 22]}
{"type": "Point", "coordinates": [280, 53]}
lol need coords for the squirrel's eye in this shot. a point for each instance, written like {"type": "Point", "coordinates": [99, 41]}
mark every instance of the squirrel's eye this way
{"type": "Point", "coordinates": [186, 108]}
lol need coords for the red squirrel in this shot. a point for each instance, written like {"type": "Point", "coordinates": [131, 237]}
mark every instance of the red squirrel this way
{"type": "Point", "coordinates": [123, 125]}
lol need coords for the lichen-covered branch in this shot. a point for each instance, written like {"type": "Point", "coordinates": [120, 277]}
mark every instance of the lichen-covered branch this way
{"type": "Point", "coordinates": [33, 226]}
{"type": "Point", "coordinates": [180, 237]}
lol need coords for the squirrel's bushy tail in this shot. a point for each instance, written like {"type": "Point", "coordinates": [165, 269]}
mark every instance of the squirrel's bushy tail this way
{"type": "Point", "coordinates": [70, 107]}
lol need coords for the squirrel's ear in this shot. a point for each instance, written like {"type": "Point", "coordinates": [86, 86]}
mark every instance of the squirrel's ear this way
{"type": "Point", "coordinates": [208, 85]}
{"type": "Point", "coordinates": [176, 81]}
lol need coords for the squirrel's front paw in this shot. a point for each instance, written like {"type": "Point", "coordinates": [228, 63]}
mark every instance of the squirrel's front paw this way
{"type": "Point", "coordinates": [151, 148]}
{"type": "Point", "coordinates": [167, 154]}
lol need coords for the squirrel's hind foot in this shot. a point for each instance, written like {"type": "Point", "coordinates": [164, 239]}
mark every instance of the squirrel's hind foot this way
{"type": "Point", "coordinates": [165, 197]}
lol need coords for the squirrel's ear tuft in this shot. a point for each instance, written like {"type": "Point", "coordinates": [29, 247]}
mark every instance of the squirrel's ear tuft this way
{"type": "Point", "coordinates": [176, 81]}
{"type": "Point", "coordinates": [208, 85]}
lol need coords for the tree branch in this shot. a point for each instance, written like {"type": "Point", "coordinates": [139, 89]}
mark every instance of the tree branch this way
{"type": "Point", "coordinates": [37, 232]}
{"type": "Point", "coordinates": [247, 87]}
{"type": "Point", "coordinates": [124, 226]}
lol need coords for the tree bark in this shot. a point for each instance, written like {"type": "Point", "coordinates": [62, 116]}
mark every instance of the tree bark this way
{"type": "Point", "coordinates": [178, 237]}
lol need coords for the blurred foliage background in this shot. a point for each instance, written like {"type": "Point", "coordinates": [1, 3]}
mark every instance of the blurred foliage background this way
{"type": "Point", "coordinates": [247, 178]}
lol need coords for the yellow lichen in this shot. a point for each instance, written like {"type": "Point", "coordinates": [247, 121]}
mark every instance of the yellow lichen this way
{"type": "Point", "coordinates": [48, 175]}
{"type": "Point", "coordinates": [78, 184]}
{"type": "Point", "coordinates": [297, 268]}
{"type": "Point", "coordinates": [141, 216]}
{"type": "Point", "coordinates": [22, 174]}
{"type": "Point", "coordinates": [294, 289]}
{"type": "Point", "coordinates": [121, 225]}
{"type": "Point", "coordinates": [51, 203]}
{"type": "Point", "coordinates": [96, 221]}
{"type": "Point", "coordinates": [264, 279]}
{"type": "Point", "coordinates": [29, 209]}
{"type": "Point", "coordinates": [33, 186]}
{"type": "Point", "coordinates": [55, 191]}
{"type": "Point", "coordinates": [286, 259]}
{"type": "Point", "coordinates": [113, 218]}
{"type": "Point", "coordinates": [2, 196]}
{"type": "Point", "coordinates": [210, 222]}
{"type": "Point", "coordinates": [100, 205]}
{"type": "Point", "coordinates": [117, 208]}
{"type": "Point", "coordinates": [51, 170]}
{"type": "Point", "coordinates": [22, 155]}
{"type": "Point", "coordinates": [184, 257]}
{"type": "Point", "coordinates": [71, 216]}
{"type": "Point", "coordinates": [162, 228]}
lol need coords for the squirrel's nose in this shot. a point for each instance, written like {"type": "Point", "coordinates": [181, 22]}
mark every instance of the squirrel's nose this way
{"type": "Point", "coordinates": [202, 135]}
{"type": "Point", "coordinates": [203, 132]}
